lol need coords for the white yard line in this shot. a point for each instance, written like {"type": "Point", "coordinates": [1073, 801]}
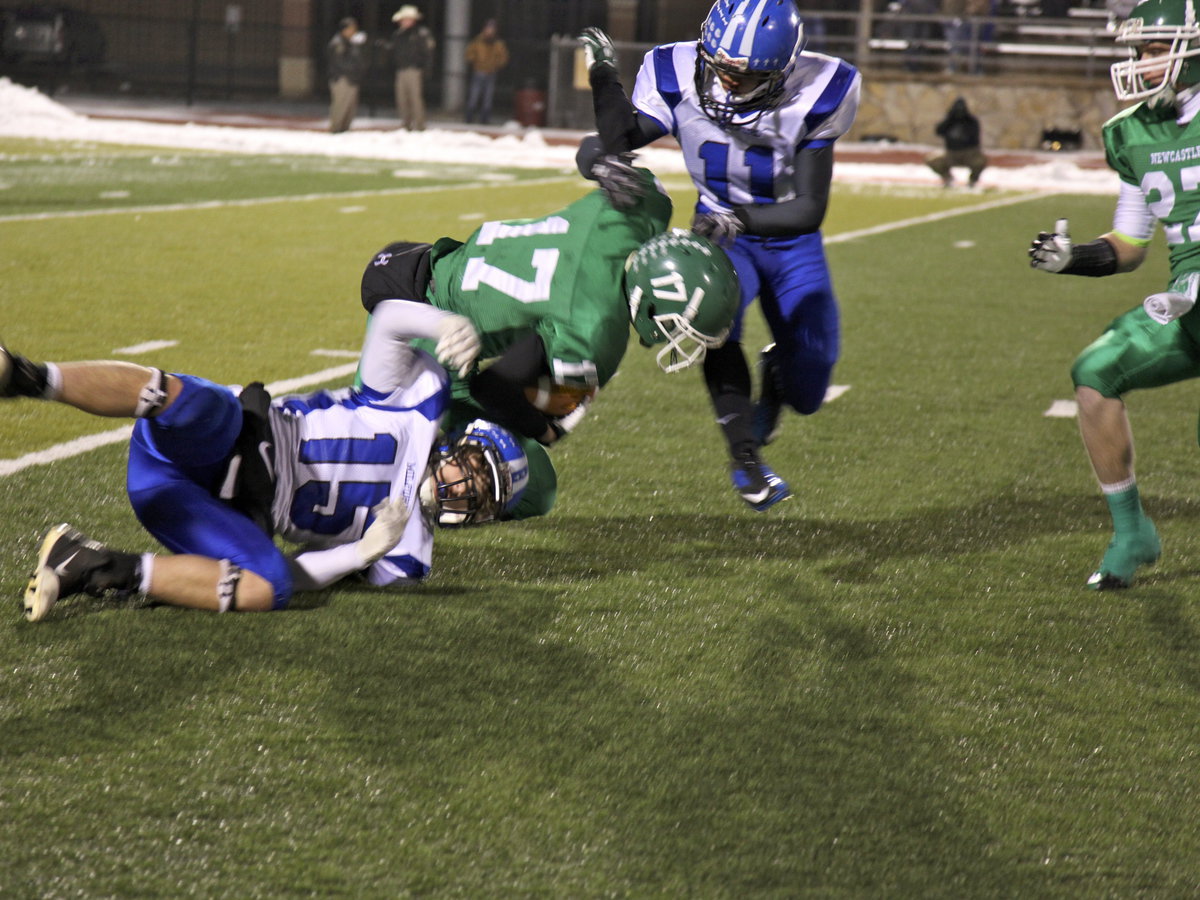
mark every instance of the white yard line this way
{"type": "Point", "coordinates": [1062, 409]}
{"type": "Point", "coordinates": [145, 347]}
{"type": "Point", "coordinates": [262, 201]}
{"type": "Point", "coordinates": [843, 236]}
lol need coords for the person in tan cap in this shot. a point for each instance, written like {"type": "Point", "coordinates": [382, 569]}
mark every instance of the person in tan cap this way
{"type": "Point", "coordinates": [411, 53]}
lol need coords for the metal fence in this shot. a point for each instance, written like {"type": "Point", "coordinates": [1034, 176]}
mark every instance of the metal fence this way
{"type": "Point", "coordinates": [153, 51]}
{"type": "Point", "coordinates": [1078, 48]}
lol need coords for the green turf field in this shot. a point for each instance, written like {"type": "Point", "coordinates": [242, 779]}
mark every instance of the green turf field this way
{"type": "Point", "coordinates": [893, 685]}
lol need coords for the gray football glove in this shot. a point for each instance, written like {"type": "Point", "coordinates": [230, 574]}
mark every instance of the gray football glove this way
{"type": "Point", "coordinates": [719, 226]}
{"type": "Point", "coordinates": [618, 179]}
{"type": "Point", "coordinates": [598, 48]}
{"type": "Point", "coordinates": [1051, 252]}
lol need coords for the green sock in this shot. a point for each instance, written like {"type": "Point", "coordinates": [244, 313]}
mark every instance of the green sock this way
{"type": "Point", "coordinates": [1126, 509]}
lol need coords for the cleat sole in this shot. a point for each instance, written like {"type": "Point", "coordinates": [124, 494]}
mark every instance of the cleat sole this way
{"type": "Point", "coordinates": [44, 587]}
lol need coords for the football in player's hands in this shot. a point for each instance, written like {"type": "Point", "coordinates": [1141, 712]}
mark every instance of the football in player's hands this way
{"type": "Point", "coordinates": [556, 399]}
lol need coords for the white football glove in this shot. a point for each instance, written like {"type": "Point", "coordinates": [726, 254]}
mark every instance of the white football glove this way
{"type": "Point", "coordinates": [458, 344]}
{"type": "Point", "coordinates": [1051, 252]}
{"type": "Point", "coordinates": [1177, 300]}
{"type": "Point", "coordinates": [391, 516]}
{"type": "Point", "coordinates": [564, 425]}
{"type": "Point", "coordinates": [719, 226]}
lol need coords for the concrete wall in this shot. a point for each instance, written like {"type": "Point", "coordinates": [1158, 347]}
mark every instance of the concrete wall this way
{"type": "Point", "coordinates": [1012, 115]}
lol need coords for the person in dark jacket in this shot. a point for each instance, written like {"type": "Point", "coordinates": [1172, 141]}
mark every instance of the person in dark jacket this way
{"type": "Point", "coordinates": [347, 58]}
{"type": "Point", "coordinates": [960, 133]}
{"type": "Point", "coordinates": [411, 53]}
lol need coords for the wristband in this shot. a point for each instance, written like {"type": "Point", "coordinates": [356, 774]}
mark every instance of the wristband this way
{"type": "Point", "coordinates": [1093, 259]}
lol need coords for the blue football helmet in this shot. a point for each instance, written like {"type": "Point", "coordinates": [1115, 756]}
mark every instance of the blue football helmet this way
{"type": "Point", "coordinates": [487, 477]}
{"type": "Point", "coordinates": [747, 50]}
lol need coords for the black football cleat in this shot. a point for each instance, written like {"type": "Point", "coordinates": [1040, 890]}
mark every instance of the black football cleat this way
{"type": "Point", "coordinates": [68, 564]}
{"type": "Point", "coordinates": [756, 483]}
{"type": "Point", "coordinates": [6, 372]}
{"type": "Point", "coordinates": [19, 377]}
{"type": "Point", "coordinates": [769, 407]}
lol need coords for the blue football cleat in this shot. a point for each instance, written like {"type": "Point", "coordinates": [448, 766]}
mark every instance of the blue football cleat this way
{"type": "Point", "coordinates": [756, 483]}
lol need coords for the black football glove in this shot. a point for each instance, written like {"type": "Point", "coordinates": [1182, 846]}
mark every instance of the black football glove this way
{"type": "Point", "coordinates": [618, 179]}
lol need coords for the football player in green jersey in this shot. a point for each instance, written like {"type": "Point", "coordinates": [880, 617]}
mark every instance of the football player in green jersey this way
{"type": "Point", "coordinates": [1154, 146]}
{"type": "Point", "coordinates": [553, 299]}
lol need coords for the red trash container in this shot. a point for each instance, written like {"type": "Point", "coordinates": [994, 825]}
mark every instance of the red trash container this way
{"type": "Point", "coordinates": [530, 106]}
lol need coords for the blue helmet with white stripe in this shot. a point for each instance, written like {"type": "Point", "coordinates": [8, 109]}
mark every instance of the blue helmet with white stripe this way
{"type": "Point", "coordinates": [489, 472]}
{"type": "Point", "coordinates": [747, 50]}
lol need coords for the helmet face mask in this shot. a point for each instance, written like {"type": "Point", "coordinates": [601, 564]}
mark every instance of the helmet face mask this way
{"type": "Point", "coordinates": [1158, 77]}
{"type": "Point", "coordinates": [746, 52]}
{"type": "Point", "coordinates": [683, 293]}
{"type": "Point", "coordinates": [475, 478]}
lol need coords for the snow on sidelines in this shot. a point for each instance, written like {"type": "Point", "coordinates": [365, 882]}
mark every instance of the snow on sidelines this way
{"type": "Point", "coordinates": [26, 113]}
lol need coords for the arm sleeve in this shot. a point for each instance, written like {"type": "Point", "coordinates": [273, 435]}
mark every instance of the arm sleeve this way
{"type": "Point", "coordinates": [804, 213]}
{"type": "Point", "coordinates": [317, 569]}
{"type": "Point", "coordinates": [388, 360]}
{"type": "Point", "coordinates": [621, 128]}
{"type": "Point", "coordinates": [500, 388]}
{"type": "Point", "coordinates": [1132, 219]}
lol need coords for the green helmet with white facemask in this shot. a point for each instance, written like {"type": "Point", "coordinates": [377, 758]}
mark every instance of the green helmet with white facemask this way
{"type": "Point", "coordinates": [682, 291]}
{"type": "Point", "coordinates": [1142, 77]}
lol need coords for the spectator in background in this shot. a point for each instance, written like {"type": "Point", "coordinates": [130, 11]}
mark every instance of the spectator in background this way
{"type": "Point", "coordinates": [411, 53]}
{"type": "Point", "coordinates": [914, 33]}
{"type": "Point", "coordinates": [347, 60]}
{"type": "Point", "coordinates": [487, 54]}
{"type": "Point", "coordinates": [959, 31]}
{"type": "Point", "coordinates": [960, 133]}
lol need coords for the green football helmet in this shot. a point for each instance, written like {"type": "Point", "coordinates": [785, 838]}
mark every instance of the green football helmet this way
{"type": "Point", "coordinates": [1170, 22]}
{"type": "Point", "coordinates": [682, 291]}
